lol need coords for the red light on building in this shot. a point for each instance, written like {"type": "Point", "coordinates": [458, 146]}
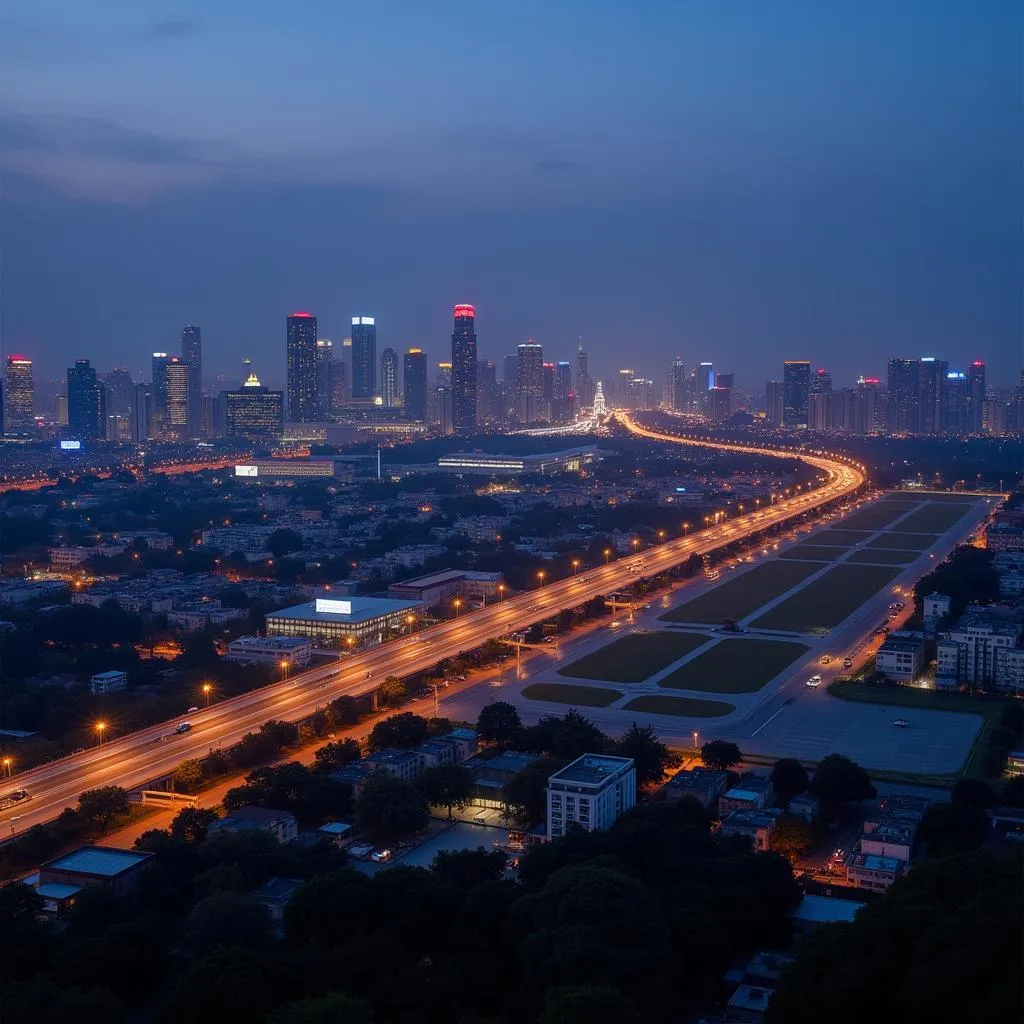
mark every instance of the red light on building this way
{"type": "Point", "coordinates": [464, 309]}
{"type": "Point", "coordinates": [977, 362]}
{"type": "Point", "coordinates": [300, 314]}
{"type": "Point", "coordinates": [871, 380]}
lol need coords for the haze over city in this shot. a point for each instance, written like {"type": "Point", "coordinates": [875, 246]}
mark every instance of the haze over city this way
{"type": "Point", "coordinates": [728, 182]}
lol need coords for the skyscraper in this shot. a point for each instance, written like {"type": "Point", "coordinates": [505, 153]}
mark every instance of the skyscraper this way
{"type": "Point", "coordinates": [301, 352]}
{"type": "Point", "coordinates": [819, 409]}
{"type": "Point", "coordinates": [486, 392]}
{"type": "Point", "coordinates": [975, 396]}
{"type": "Point", "coordinates": [415, 384]}
{"type": "Point", "coordinates": [623, 396]}
{"type": "Point", "coordinates": [866, 407]}
{"type": "Point", "coordinates": [364, 357]}
{"type": "Point", "coordinates": [529, 390]}
{"type": "Point", "coordinates": [774, 402]}
{"type": "Point", "coordinates": [677, 386]}
{"type": "Point", "coordinates": [705, 382]}
{"type": "Point", "coordinates": [584, 386]}
{"type": "Point", "coordinates": [796, 392]}
{"type": "Point", "coordinates": [956, 403]}
{"type": "Point", "coordinates": [325, 371]}
{"type": "Point", "coordinates": [389, 378]}
{"type": "Point", "coordinates": [442, 398]}
{"type": "Point", "coordinates": [464, 370]}
{"type": "Point", "coordinates": [930, 395]}
{"type": "Point", "coordinates": [562, 407]}
{"type": "Point", "coordinates": [142, 412]}
{"type": "Point", "coordinates": [87, 412]}
{"type": "Point", "coordinates": [903, 381]}
{"type": "Point", "coordinates": [178, 382]}
{"type": "Point", "coordinates": [253, 411]}
{"type": "Point", "coordinates": [18, 395]}
{"type": "Point", "coordinates": [120, 392]}
{"type": "Point", "coordinates": [548, 378]}
{"type": "Point", "coordinates": [192, 355]}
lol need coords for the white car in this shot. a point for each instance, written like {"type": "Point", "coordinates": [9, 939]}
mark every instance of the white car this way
{"type": "Point", "coordinates": [902, 723]}
{"type": "Point", "coordinates": [814, 682]}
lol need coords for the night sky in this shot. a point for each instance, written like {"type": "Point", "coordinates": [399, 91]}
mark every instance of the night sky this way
{"type": "Point", "coordinates": [736, 181]}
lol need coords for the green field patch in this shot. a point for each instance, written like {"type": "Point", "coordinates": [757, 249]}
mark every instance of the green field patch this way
{"type": "Point", "coordinates": [827, 601]}
{"type": "Point", "coordinates": [874, 517]}
{"type": "Point", "coordinates": [735, 666]}
{"type": "Point", "coordinates": [933, 518]}
{"type": "Point", "coordinates": [884, 556]}
{"type": "Point", "coordinates": [912, 697]}
{"type": "Point", "coordinates": [813, 553]}
{"type": "Point", "coordinates": [904, 541]}
{"type": "Point", "coordinates": [685, 707]}
{"type": "Point", "coordinates": [743, 595]}
{"type": "Point", "coordinates": [633, 658]}
{"type": "Point", "coordinates": [840, 537]}
{"type": "Point", "coordinates": [572, 693]}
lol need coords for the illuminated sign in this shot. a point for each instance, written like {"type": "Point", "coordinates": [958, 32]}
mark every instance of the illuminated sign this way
{"type": "Point", "coordinates": [356, 320]}
{"type": "Point", "coordinates": [70, 446]}
{"type": "Point", "coordinates": [956, 375]}
{"type": "Point", "coordinates": [464, 309]}
{"type": "Point", "coordinates": [303, 313]}
{"type": "Point", "coordinates": [247, 470]}
{"type": "Point", "coordinates": [328, 604]}
{"type": "Point", "coordinates": [159, 355]}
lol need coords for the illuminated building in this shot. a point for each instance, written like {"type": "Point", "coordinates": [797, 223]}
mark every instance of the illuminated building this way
{"type": "Point", "coordinates": [677, 386]}
{"type": "Point", "coordinates": [333, 621]}
{"type": "Point", "coordinates": [414, 384]}
{"type": "Point", "coordinates": [364, 357]}
{"type": "Point", "coordinates": [464, 411]}
{"type": "Point", "coordinates": [389, 378]}
{"type": "Point", "coordinates": [192, 356]}
{"type": "Point", "coordinates": [775, 402]}
{"type": "Point", "coordinates": [529, 382]}
{"type": "Point", "coordinates": [254, 411]}
{"type": "Point", "coordinates": [584, 386]}
{"type": "Point", "coordinates": [931, 395]}
{"type": "Point", "coordinates": [18, 395]}
{"type": "Point", "coordinates": [87, 405]}
{"type": "Point", "coordinates": [903, 383]}
{"type": "Point", "coordinates": [301, 358]}
{"type": "Point", "coordinates": [796, 392]}
{"type": "Point", "coordinates": [176, 383]}
{"type": "Point", "coordinates": [976, 397]}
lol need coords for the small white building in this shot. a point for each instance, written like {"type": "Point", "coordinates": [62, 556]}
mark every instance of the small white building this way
{"type": "Point", "coordinates": [271, 650]}
{"type": "Point", "coordinates": [108, 682]}
{"type": "Point", "coordinates": [935, 607]}
{"type": "Point", "coordinates": [901, 656]}
{"type": "Point", "coordinates": [591, 792]}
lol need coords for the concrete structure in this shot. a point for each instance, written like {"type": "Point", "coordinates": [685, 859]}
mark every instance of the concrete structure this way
{"type": "Point", "coordinates": [590, 792]}
{"type": "Point", "coordinates": [705, 785]}
{"type": "Point", "coordinates": [935, 609]}
{"type": "Point", "coordinates": [280, 824]}
{"type": "Point", "coordinates": [751, 793]}
{"type": "Point", "coordinates": [301, 360]}
{"type": "Point", "coordinates": [276, 894]}
{"type": "Point", "coordinates": [568, 461]}
{"type": "Point", "coordinates": [271, 650]}
{"type": "Point", "coordinates": [869, 871]}
{"type": "Point", "coordinates": [324, 467]}
{"type": "Point", "coordinates": [1003, 536]}
{"type": "Point", "coordinates": [464, 397]}
{"type": "Point", "coordinates": [967, 652]}
{"type": "Point", "coordinates": [402, 764]}
{"type": "Point", "coordinates": [253, 411]}
{"type": "Point", "coordinates": [108, 682]}
{"type": "Point", "coordinates": [118, 871]}
{"type": "Point", "coordinates": [901, 656]}
{"type": "Point", "coordinates": [333, 621]}
{"type": "Point", "coordinates": [757, 826]}
{"type": "Point", "coordinates": [1008, 669]}
{"type": "Point", "coordinates": [440, 587]}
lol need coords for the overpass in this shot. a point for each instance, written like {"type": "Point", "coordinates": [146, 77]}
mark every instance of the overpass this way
{"type": "Point", "coordinates": [150, 754]}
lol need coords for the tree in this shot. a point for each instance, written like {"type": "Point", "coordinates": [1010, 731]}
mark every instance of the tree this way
{"type": "Point", "coordinates": [468, 868]}
{"type": "Point", "coordinates": [189, 776]}
{"type": "Point", "coordinates": [588, 1004]}
{"type": "Point", "coordinates": [311, 796]}
{"type": "Point", "coordinates": [392, 692]}
{"type": "Point", "coordinates": [446, 785]}
{"type": "Point", "coordinates": [499, 723]}
{"type": "Point", "coordinates": [949, 827]}
{"type": "Point", "coordinates": [975, 792]}
{"type": "Point", "coordinates": [335, 1008]}
{"type": "Point", "coordinates": [793, 836]}
{"type": "Point", "coordinates": [1011, 716]}
{"type": "Point", "coordinates": [524, 796]}
{"type": "Point", "coordinates": [345, 710]}
{"type": "Point", "coordinates": [403, 731]}
{"type": "Point", "coordinates": [789, 777]}
{"type": "Point", "coordinates": [284, 541]}
{"type": "Point", "coordinates": [720, 754]}
{"type": "Point", "coordinates": [227, 919]}
{"type": "Point", "coordinates": [651, 756]}
{"type": "Point", "coordinates": [230, 986]}
{"type": "Point", "coordinates": [191, 824]}
{"type": "Point", "coordinates": [838, 780]}
{"type": "Point", "coordinates": [389, 808]}
{"type": "Point", "coordinates": [332, 756]}
{"type": "Point", "coordinates": [100, 806]}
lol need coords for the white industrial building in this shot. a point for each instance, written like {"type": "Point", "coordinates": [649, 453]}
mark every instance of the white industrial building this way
{"type": "Point", "coordinates": [591, 792]}
{"type": "Point", "coordinates": [336, 621]}
{"type": "Point", "coordinates": [271, 650]}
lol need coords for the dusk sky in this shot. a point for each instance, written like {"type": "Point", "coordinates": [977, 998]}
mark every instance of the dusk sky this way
{"type": "Point", "coordinates": [735, 181]}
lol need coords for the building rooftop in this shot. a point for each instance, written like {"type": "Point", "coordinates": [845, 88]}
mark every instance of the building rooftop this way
{"type": "Point", "coordinates": [278, 890]}
{"type": "Point", "coordinates": [448, 576]}
{"type": "Point", "coordinates": [506, 761]}
{"type": "Point", "coordinates": [258, 815]}
{"type": "Point", "coordinates": [277, 643]}
{"type": "Point", "coordinates": [873, 862]}
{"type": "Point", "coordinates": [342, 610]}
{"type": "Point", "coordinates": [749, 819]}
{"type": "Point", "coordinates": [335, 828]}
{"type": "Point", "coordinates": [100, 861]}
{"type": "Point", "coordinates": [825, 910]}
{"type": "Point", "coordinates": [56, 891]}
{"type": "Point", "coordinates": [592, 769]}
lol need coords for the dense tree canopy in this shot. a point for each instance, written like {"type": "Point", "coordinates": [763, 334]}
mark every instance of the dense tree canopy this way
{"type": "Point", "coordinates": [390, 809]}
{"type": "Point", "coordinates": [499, 723]}
{"type": "Point", "coordinates": [403, 731]}
{"type": "Point", "coordinates": [720, 754]}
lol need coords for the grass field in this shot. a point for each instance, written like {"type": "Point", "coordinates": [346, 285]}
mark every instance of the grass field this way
{"type": "Point", "coordinates": [735, 666]}
{"type": "Point", "coordinates": [840, 537]}
{"type": "Point", "coordinates": [570, 693]}
{"type": "Point", "coordinates": [828, 600]}
{"type": "Point", "coordinates": [631, 659]}
{"type": "Point", "coordinates": [904, 541]}
{"type": "Point", "coordinates": [743, 595]}
{"type": "Point", "coordinates": [909, 697]}
{"type": "Point", "coordinates": [882, 556]}
{"type": "Point", "coordinates": [933, 519]}
{"type": "Point", "coordinates": [874, 517]}
{"type": "Point", "coordinates": [686, 707]}
{"type": "Point", "coordinates": [813, 552]}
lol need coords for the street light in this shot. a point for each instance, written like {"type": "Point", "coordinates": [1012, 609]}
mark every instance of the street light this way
{"type": "Point", "coordinates": [7, 762]}
{"type": "Point", "coordinates": [501, 592]}
{"type": "Point", "coordinates": [458, 604]}
{"type": "Point", "coordinates": [284, 668]}
{"type": "Point", "coordinates": [695, 737]}
{"type": "Point", "coordinates": [100, 729]}
{"type": "Point", "coordinates": [207, 690]}
{"type": "Point", "coordinates": [686, 528]}
{"type": "Point", "coordinates": [661, 535]}
{"type": "Point", "coordinates": [607, 555]}
{"type": "Point", "coordinates": [636, 544]}
{"type": "Point", "coordinates": [540, 576]}
{"type": "Point", "coordinates": [409, 621]}
{"type": "Point", "coordinates": [575, 566]}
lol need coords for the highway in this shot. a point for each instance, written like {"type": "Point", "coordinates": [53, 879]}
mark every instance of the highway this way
{"type": "Point", "coordinates": [149, 754]}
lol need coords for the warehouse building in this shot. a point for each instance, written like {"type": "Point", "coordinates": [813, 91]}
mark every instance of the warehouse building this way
{"type": "Point", "coordinates": [337, 621]}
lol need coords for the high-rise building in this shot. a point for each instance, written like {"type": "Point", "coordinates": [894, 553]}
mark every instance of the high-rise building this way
{"type": "Point", "coordinates": [120, 392]}
{"type": "Point", "coordinates": [562, 410]}
{"type": "Point", "coordinates": [346, 371]}
{"type": "Point", "coordinates": [548, 381]}
{"type": "Point", "coordinates": [624, 388]}
{"type": "Point", "coordinates": [705, 382]}
{"type": "Point", "coordinates": [325, 370]}
{"type": "Point", "coordinates": [677, 386]}
{"type": "Point", "coordinates": [866, 413]}
{"type": "Point", "coordinates": [796, 387]}
{"type": "Point", "coordinates": [956, 403]}
{"type": "Point", "coordinates": [464, 370]}
{"type": "Point", "coordinates": [600, 409]}
{"type": "Point", "coordinates": [177, 382]}
{"type": "Point", "coordinates": [87, 406]}
{"type": "Point", "coordinates": [819, 408]}
{"type": "Point", "coordinates": [143, 403]}
{"type": "Point", "coordinates": [301, 352]}
{"type": "Point", "coordinates": [904, 380]}
{"type": "Point", "coordinates": [414, 380]}
{"type": "Point", "coordinates": [930, 395]}
{"type": "Point", "coordinates": [975, 396]}
{"type": "Point", "coordinates": [584, 385]}
{"type": "Point", "coordinates": [389, 378]}
{"type": "Point", "coordinates": [160, 361]}
{"type": "Point", "coordinates": [487, 409]}
{"type": "Point", "coordinates": [529, 382]}
{"type": "Point", "coordinates": [192, 355]}
{"type": "Point", "coordinates": [774, 402]}
{"type": "Point", "coordinates": [18, 395]}
{"type": "Point", "coordinates": [720, 404]}
{"type": "Point", "coordinates": [442, 398]}
{"type": "Point", "coordinates": [364, 357]}
{"type": "Point", "coordinates": [253, 411]}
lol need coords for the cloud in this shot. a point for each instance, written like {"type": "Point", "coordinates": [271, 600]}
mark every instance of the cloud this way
{"type": "Point", "coordinates": [170, 28]}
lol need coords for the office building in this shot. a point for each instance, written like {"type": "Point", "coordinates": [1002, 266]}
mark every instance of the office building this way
{"type": "Point", "coordinates": [796, 393]}
{"type": "Point", "coordinates": [414, 382]}
{"type": "Point", "coordinates": [676, 398]}
{"type": "Point", "coordinates": [389, 378]}
{"type": "Point", "coordinates": [120, 392]}
{"type": "Point", "coordinates": [903, 383]}
{"type": "Point", "coordinates": [705, 381]}
{"type": "Point", "coordinates": [87, 405]}
{"type": "Point", "coordinates": [18, 395]}
{"type": "Point", "coordinates": [774, 402]}
{"type": "Point", "coordinates": [563, 400]}
{"type": "Point", "coordinates": [271, 650]}
{"type": "Point", "coordinates": [930, 394]}
{"type": "Point", "coordinates": [176, 383]}
{"type": "Point", "coordinates": [584, 385]}
{"type": "Point", "coordinates": [548, 390]}
{"type": "Point", "coordinates": [487, 408]}
{"type": "Point", "coordinates": [301, 353]}
{"type": "Point", "coordinates": [325, 373]}
{"type": "Point", "coordinates": [865, 419]}
{"type": "Point", "coordinates": [439, 588]}
{"type": "Point", "coordinates": [976, 397]}
{"type": "Point", "coordinates": [591, 793]}
{"type": "Point", "coordinates": [819, 409]}
{"type": "Point", "coordinates": [253, 411]}
{"type": "Point", "coordinates": [956, 403]}
{"type": "Point", "coordinates": [529, 382]}
{"type": "Point", "coordinates": [901, 656]}
{"type": "Point", "coordinates": [464, 410]}
{"type": "Point", "coordinates": [624, 388]}
{"type": "Point", "coordinates": [334, 621]}
{"type": "Point", "coordinates": [364, 357]}
{"type": "Point", "coordinates": [719, 404]}
{"type": "Point", "coordinates": [571, 460]}
{"type": "Point", "coordinates": [967, 652]}
{"type": "Point", "coordinates": [159, 364]}
{"type": "Point", "coordinates": [441, 399]}
{"type": "Point", "coordinates": [192, 356]}
{"type": "Point", "coordinates": [142, 412]}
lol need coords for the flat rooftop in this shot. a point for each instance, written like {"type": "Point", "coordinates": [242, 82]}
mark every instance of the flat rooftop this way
{"type": "Point", "coordinates": [101, 861]}
{"type": "Point", "coordinates": [447, 576]}
{"type": "Point", "coordinates": [825, 910]}
{"type": "Point", "coordinates": [359, 609]}
{"type": "Point", "coordinates": [592, 769]}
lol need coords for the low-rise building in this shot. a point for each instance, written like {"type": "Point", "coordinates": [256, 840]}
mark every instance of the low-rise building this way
{"type": "Point", "coordinates": [336, 832]}
{"type": "Point", "coordinates": [280, 824]}
{"type": "Point", "coordinates": [354, 775]}
{"type": "Point", "coordinates": [118, 871]}
{"type": "Point", "coordinates": [889, 840]}
{"type": "Point", "coordinates": [901, 656]}
{"type": "Point", "coordinates": [334, 621]}
{"type": "Point", "coordinates": [440, 587]}
{"type": "Point", "coordinates": [935, 609]}
{"type": "Point", "coordinates": [705, 785]}
{"type": "Point", "coordinates": [590, 792]}
{"type": "Point", "coordinates": [276, 894]}
{"type": "Point", "coordinates": [966, 653]}
{"type": "Point", "coordinates": [805, 806]}
{"type": "Point", "coordinates": [271, 650]}
{"type": "Point", "coordinates": [490, 776]}
{"type": "Point", "coordinates": [751, 793]}
{"type": "Point", "coordinates": [403, 764]}
{"type": "Point", "coordinates": [112, 681]}
{"type": "Point", "coordinates": [1004, 536]}
{"type": "Point", "coordinates": [870, 871]}
{"type": "Point", "coordinates": [757, 826]}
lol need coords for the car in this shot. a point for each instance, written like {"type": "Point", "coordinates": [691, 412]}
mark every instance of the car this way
{"type": "Point", "coordinates": [814, 682]}
{"type": "Point", "coordinates": [826, 659]}
{"type": "Point", "coordinates": [847, 662]}
{"type": "Point", "coordinates": [191, 711]}
{"type": "Point", "coordinates": [549, 639]}
{"type": "Point", "coordinates": [18, 795]}
{"type": "Point", "coordinates": [901, 723]}
{"type": "Point", "coordinates": [380, 856]}
{"type": "Point", "coordinates": [616, 623]}
{"type": "Point", "coordinates": [183, 728]}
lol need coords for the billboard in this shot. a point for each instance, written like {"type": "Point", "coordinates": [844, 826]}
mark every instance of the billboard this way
{"type": "Point", "coordinates": [247, 471]}
{"type": "Point", "coordinates": [327, 604]}
{"type": "Point", "coordinates": [71, 446]}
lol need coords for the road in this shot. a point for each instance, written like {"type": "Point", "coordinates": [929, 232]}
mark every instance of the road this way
{"type": "Point", "coordinates": [132, 761]}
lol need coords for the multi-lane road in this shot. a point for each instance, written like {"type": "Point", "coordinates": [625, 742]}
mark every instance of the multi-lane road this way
{"type": "Point", "coordinates": [141, 757]}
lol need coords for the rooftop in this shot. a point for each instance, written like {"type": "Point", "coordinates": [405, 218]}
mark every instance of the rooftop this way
{"type": "Point", "coordinates": [102, 861]}
{"type": "Point", "coordinates": [349, 609]}
{"type": "Point", "coordinates": [448, 576]}
{"type": "Point", "coordinates": [263, 815]}
{"type": "Point", "coordinates": [825, 909]}
{"type": "Point", "coordinates": [749, 819]}
{"type": "Point", "coordinates": [592, 769]}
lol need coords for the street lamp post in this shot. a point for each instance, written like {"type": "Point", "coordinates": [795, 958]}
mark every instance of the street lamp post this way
{"type": "Point", "coordinates": [207, 690]}
{"type": "Point", "coordinates": [540, 577]}
{"type": "Point", "coordinates": [686, 528]}
{"type": "Point", "coordinates": [458, 604]}
{"type": "Point", "coordinates": [501, 592]}
{"type": "Point", "coordinates": [8, 771]}
{"type": "Point", "coordinates": [100, 729]}
{"type": "Point", "coordinates": [575, 566]}
{"type": "Point", "coordinates": [284, 668]}
{"type": "Point", "coordinates": [607, 555]}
